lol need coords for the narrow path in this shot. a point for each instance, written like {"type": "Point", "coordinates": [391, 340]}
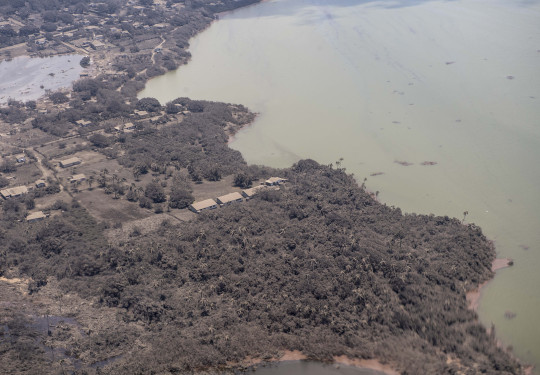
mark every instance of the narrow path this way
{"type": "Point", "coordinates": [47, 172]}
{"type": "Point", "coordinates": [158, 46]}
{"type": "Point", "coordinates": [12, 47]}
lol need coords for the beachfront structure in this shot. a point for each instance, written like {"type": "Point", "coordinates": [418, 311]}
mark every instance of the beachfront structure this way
{"type": "Point", "coordinates": [14, 192]}
{"type": "Point", "coordinates": [76, 178]}
{"type": "Point", "coordinates": [207, 204]}
{"type": "Point", "coordinates": [249, 193]}
{"type": "Point", "coordinates": [35, 216]}
{"type": "Point", "coordinates": [70, 162]}
{"type": "Point", "coordinates": [275, 181]}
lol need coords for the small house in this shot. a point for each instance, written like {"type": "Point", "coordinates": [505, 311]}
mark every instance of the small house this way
{"type": "Point", "coordinates": [129, 126]}
{"type": "Point", "coordinates": [77, 178]}
{"type": "Point", "coordinates": [20, 158]}
{"type": "Point", "coordinates": [14, 192]}
{"type": "Point", "coordinates": [208, 204]}
{"type": "Point", "coordinates": [35, 216]}
{"type": "Point", "coordinates": [70, 162]}
{"type": "Point", "coordinates": [83, 123]}
{"type": "Point", "coordinates": [140, 113]}
{"type": "Point", "coordinates": [229, 198]}
{"type": "Point", "coordinates": [97, 45]}
{"type": "Point", "coordinates": [249, 193]}
{"type": "Point", "coordinates": [275, 181]}
{"type": "Point", "coordinates": [40, 183]}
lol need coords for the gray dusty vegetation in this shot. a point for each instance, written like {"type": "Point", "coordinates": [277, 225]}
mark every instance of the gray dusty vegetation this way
{"type": "Point", "coordinates": [120, 278]}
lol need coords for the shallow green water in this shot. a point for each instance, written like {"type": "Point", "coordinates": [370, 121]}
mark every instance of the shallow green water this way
{"type": "Point", "coordinates": [451, 82]}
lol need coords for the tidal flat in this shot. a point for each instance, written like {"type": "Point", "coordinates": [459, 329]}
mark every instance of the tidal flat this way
{"type": "Point", "coordinates": [25, 78]}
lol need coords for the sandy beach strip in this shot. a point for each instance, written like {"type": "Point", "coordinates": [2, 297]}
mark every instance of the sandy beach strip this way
{"type": "Point", "coordinates": [473, 296]}
{"type": "Point", "coordinates": [296, 355]}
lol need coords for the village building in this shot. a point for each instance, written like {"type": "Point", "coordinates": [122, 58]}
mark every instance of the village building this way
{"type": "Point", "coordinates": [208, 204]}
{"type": "Point", "coordinates": [77, 178]}
{"type": "Point", "coordinates": [229, 198]}
{"type": "Point", "coordinates": [97, 45]}
{"type": "Point", "coordinates": [83, 123]}
{"type": "Point", "coordinates": [14, 192]}
{"type": "Point", "coordinates": [70, 162]}
{"type": "Point", "coordinates": [275, 181]}
{"type": "Point", "coordinates": [20, 158]}
{"type": "Point", "coordinates": [249, 193]}
{"type": "Point", "coordinates": [140, 113]}
{"type": "Point", "coordinates": [40, 183]}
{"type": "Point", "coordinates": [35, 216]}
{"type": "Point", "coordinates": [128, 127]}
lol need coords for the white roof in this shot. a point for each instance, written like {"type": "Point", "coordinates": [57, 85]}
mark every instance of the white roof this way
{"type": "Point", "coordinates": [231, 197]}
{"type": "Point", "coordinates": [36, 215]}
{"type": "Point", "coordinates": [14, 191]}
{"type": "Point", "coordinates": [73, 160]}
{"type": "Point", "coordinates": [273, 180]}
{"type": "Point", "coordinates": [79, 176]}
{"type": "Point", "coordinates": [254, 190]}
{"type": "Point", "coordinates": [204, 204]}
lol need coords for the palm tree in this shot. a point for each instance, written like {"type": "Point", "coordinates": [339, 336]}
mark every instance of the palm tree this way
{"type": "Point", "coordinates": [338, 164]}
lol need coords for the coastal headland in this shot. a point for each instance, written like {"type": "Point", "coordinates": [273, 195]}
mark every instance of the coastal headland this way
{"type": "Point", "coordinates": [109, 272]}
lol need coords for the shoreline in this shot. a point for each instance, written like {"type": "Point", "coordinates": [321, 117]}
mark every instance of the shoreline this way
{"type": "Point", "coordinates": [296, 355]}
{"type": "Point", "coordinates": [473, 296]}
{"type": "Point", "coordinates": [231, 133]}
{"type": "Point", "coordinates": [473, 302]}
